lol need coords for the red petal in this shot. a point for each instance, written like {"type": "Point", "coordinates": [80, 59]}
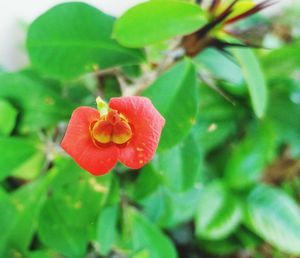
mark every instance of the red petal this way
{"type": "Point", "coordinates": [147, 125]}
{"type": "Point", "coordinates": [78, 143]}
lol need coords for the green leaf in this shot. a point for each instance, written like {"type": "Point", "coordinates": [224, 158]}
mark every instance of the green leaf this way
{"type": "Point", "coordinates": [221, 248]}
{"type": "Point", "coordinates": [14, 153]}
{"type": "Point", "coordinates": [106, 228]}
{"type": "Point", "coordinates": [218, 213]}
{"type": "Point", "coordinates": [19, 216]}
{"type": "Point", "coordinates": [39, 103]}
{"type": "Point", "coordinates": [175, 95]}
{"type": "Point", "coordinates": [154, 21]}
{"type": "Point", "coordinates": [146, 236]}
{"type": "Point", "coordinates": [31, 168]}
{"type": "Point", "coordinates": [43, 254]}
{"type": "Point", "coordinates": [75, 38]}
{"type": "Point", "coordinates": [72, 209]}
{"type": "Point", "coordinates": [274, 216]}
{"type": "Point", "coordinates": [168, 208]}
{"type": "Point", "coordinates": [71, 241]}
{"type": "Point", "coordinates": [282, 61]}
{"type": "Point", "coordinates": [8, 115]}
{"type": "Point", "coordinates": [210, 135]}
{"type": "Point", "coordinates": [285, 107]}
{"type": "Point", "coordinates": [254, 78]}
{"type": "Point", "coordinates": [180, 166]}
{"type": "Point", "coordinates": [220, 66]}
{"type": "Point", "coordinates": [248, 159]}
{"type": "Point", "coordinates": [148, 181]}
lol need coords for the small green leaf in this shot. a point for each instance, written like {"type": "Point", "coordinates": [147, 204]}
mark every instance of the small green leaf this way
{"type": "Point", "coordinates": [38, 103]}
{"type": "Point", "coordinates": [8, 115]}
{"type": "Point", "coordinates": [175, 95]}
{"type": "Point", "coordinates": [248, 159]}
{"type": "Point", "coordinates": [180, 166]}
{"type": "Point", "coordinates": [75, 38]}
{"type": "Point", "coordinates": [221, 248]}
{"type": "Point", "coordinates": [254, 78]}
{"type": "Point", "coordinates": [218, 213]}
{"type": "Point", "coordinates": [168, 208]}
{"type": "Point", "coordinates": [146, 236]}
{"type": "Point", "coordinates": [15, 152]}
{"type": "Point", "coordinates": [148, 181]}
{"type": "Point", "coordinates": [158, 20]}
{"type": "Point", "coordinates": [274, 216]}
{"type": "Point", "coordinates": [31, 168]}
{"type": "Point", "coordinates": [106, 228]}
{"type": "Point", "coordinates": [220, 66]}
{"type": "Point", "coordinates": [282, 61]}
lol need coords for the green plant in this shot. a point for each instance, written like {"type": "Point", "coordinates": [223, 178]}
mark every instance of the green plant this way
{"type": "Point", "coordinates": [225, 178]}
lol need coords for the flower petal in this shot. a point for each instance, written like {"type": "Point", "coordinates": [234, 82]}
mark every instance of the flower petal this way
{"type": "Point", "coordinates": [78, 143]}
{"type": "Point", "coordinates": [147, 125]}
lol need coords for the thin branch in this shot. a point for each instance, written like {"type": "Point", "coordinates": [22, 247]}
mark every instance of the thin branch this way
{"type": "Point", "coordinates": [213, 86]}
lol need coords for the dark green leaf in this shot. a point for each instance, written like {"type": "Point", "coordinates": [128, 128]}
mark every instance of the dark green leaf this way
{"type": "Point", "coordinates": [174, 94]}
{"type": "Point", "coordinates": [75, 38]}
{"type": "Point", "coordinates": [221, 248]}
{"type": "Point", "coordinates": [154, 21]}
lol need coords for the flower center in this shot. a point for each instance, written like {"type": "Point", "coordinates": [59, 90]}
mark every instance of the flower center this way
{"type": "Point", "coordinates": [112, 127]}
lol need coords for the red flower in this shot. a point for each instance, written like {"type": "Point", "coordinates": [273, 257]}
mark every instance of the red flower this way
{"type": "Point", "coordinates": [127, 129]}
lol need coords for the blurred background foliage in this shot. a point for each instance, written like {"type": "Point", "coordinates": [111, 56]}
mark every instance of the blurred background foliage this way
{"type": "Point", "coordinates": [225, 180]}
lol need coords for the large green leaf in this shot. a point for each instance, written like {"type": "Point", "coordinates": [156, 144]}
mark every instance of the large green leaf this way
{"type": "Point", "coordinates": [180, 166]}
{"type": "Point", "coordinates": [249, 158]}
{"type": "Point", "coordinates": [275, 217]}
{"type": "Point", "coordinates": [15, 152]}
{"type": "Point", "coordinates": [146, 236]}
{"type": "Point", "coordinates": [75, 38]}
{"type": "Point", "coordinates": [254, 78]}
{"type": "Point", "coordinates": [72, 209]}
{"type": "Point", "coordinates": [53, 232]}
{"type": "Point", "coordinates": [38, 102]}
{"type": "Point", "coordinates": [8, 115]}
{"type": "Point", "coordinates": [218, 213]}
{"type": "Point", "coordinates": [19, 216]}
{"type": "Point", "coordinates": [154, 21]}
{"type": "Point", "coordinates": [175, 95]}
